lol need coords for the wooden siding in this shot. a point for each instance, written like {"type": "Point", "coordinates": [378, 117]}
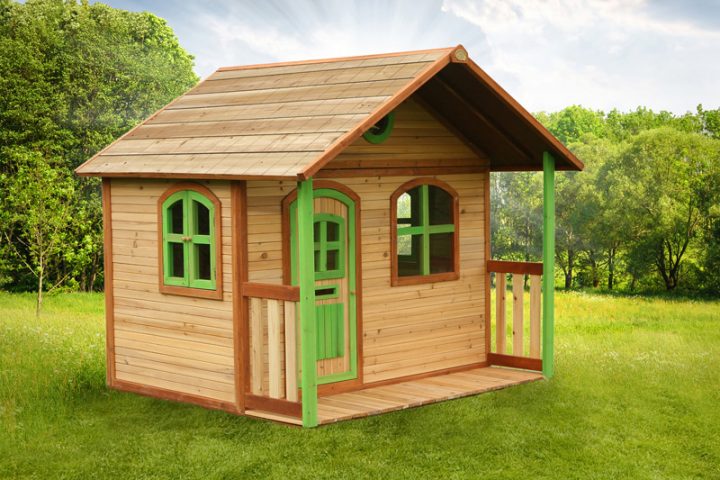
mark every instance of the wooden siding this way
{"type": "Point", "coordinates": [269, 122]}
{"type": "Point", "coordinates": [170, 342]}
{"type": "Point", "coordinates": [409, 329]}
{"type": "Point", "coordinates": [418, 140]}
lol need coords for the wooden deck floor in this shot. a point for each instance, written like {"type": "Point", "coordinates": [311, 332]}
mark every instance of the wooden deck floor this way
{"type": "Point", "coordinates": [413, 393]}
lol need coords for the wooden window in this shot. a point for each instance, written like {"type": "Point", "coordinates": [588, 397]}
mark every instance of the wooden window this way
{"type": "Point", "coordinates": [190, 256]}
{"type": "Point", "coordinates": [424, 220]}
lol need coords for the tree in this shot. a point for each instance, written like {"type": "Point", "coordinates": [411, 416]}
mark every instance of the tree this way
{"type": "Point", "coordinates": [73, 77]}
{"type": "Point", "coordinates": [40, 202]}
{"type": "Point", "coordinates": [665, 180]}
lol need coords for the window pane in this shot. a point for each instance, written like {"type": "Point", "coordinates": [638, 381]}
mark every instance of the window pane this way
{"type": "Point", "coordinates": [202, 219]}
{"type": "Point", "coordinates": [404, 245]}
{"type": "Point", "coordinates": [176, 217]}
{"type": "Point", "coordinates": [409, 258]}
{"type": "Point", "coordinates": [440, 204]}
{"type": "Point", "coordinates": [317, 260]}
{"type": "Point", "coordinates": [333, 231]}
{"type": "Point", "coordinates": [202, 254]}
{"type": "Point", "coordinates": [333, 257]}
{"type": "Point", "coordinates": [404, 206]}
{"type": "Point", "coordinates": [177, 260]}
{"type": "Point", "coordinates": [441, 252]}
{"type": "Point", "coordinates": [408, 208]}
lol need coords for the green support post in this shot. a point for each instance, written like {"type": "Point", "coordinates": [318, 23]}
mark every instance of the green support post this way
{"type": "Point", "coordinates": [306, 280]}
{"type": "Point", "coordinates": [548, 330]}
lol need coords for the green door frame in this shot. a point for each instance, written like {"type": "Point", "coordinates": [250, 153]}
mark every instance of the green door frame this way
{"type": "Point", "coordinates": [548, 329]}
{"type": "Point", "coordinates": [302, 273]}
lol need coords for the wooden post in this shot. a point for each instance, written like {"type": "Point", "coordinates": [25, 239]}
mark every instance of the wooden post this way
{"type": "Point", "coordinates": [548, 299]}
{"type": "Point", "coordinates": [306, 281]}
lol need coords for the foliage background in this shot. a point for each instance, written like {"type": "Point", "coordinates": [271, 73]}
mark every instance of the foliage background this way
{"type": "Point", "coordinates": [643, 216]}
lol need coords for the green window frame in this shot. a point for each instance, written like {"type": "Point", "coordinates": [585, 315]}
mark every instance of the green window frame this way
{"type": "Point", "coordinates": [380, 132]}
{"type": "Point", "coordinates": [329, 252]}
{"type": "Point", "coordinates": [425, 224]}
{"type": "Point", "coordinates": [189, 240]}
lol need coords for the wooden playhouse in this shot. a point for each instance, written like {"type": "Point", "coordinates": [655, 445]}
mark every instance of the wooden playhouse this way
{"type": "Point", "coordinates": [309, 241]}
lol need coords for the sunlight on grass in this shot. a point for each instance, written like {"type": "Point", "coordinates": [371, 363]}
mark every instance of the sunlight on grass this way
{"type": "Point", "coordinates": [635, 396]}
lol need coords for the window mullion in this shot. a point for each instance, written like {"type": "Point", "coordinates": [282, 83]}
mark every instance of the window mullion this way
{"type": "Point", "coordinates": [441, 228]}
{"type": "Point", "coordinates": [187, 254]}
{"type": "Point", "coordinates": [323, 247]}
{"type": "Point", "coordinates": [425, 224]}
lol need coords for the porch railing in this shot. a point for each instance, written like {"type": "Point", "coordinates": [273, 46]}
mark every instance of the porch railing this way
{"type": "Point", "coordinates": [271, 358]}
{"type": "Point", "coordinates": [518, 357]}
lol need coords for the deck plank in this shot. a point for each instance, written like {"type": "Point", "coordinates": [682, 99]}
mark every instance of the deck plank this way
{"type": "Point", "coordinates": [413, 393]}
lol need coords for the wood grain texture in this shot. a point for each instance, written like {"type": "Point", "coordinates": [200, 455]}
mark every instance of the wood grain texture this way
{"type": "Point", "coordinates": [108, 272]}
{"type": "Point", "coordinates": [535, 304]}
{"type": "Point", "coordinates": [274, 122]}
{"type": "Point", "coordinates": [169, 343]}
{"type": "Point", "coordinates": [517, 310]}
{"type": "Point", "coordinates": [417, 392]}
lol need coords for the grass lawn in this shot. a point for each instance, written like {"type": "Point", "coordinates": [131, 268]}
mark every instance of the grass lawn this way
{"type": "Point", "coordinates": [636, 395]}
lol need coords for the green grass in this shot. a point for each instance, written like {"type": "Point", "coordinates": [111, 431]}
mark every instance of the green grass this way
{"type": "Point", "coordinates": [636, 395]}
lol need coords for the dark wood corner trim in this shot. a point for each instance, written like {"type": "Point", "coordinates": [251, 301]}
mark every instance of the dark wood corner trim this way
{"type": "Point", "coordinates": [512, 361]}
{"type": "Point", "coordinates": [395, 279]}
{"type": "Point", "coordinates": [488, 254]}
{"type": "Point", "coordinates": [238, 196]}
{"type": "Point", "coordinates": [523, 268]}
{"type": "Point", "coordinates": [108, 280]}
{"type": "Point", "coordinates": [217, 293]}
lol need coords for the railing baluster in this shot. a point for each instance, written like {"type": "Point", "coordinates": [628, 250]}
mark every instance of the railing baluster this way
{"type": "Point", "coordinates": [500, 302]}
{"type": "Point", "coordinates": [535, 281]}
{"type": "Point", "coordinates": [256, 348]}
{"type": "Point", "coordinates": [274, 373]}
{"type": "Point", "coordinates": [518, 291]}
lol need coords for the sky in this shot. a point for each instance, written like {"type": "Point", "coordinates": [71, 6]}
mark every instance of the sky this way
{"type": "Point", "coordinates": [548, 54]}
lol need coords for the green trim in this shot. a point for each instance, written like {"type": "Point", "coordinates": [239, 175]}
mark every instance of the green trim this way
{"type": "Point", "coordinates": [323, 246]}
{"type": "Point", "coordinates": [330, 330]}
{"type": "Point", "coordinates": [350, 246]}
{"type": "Point", "coordinates": [548, 329]}
{"type": "Point", "coordinates": [380, 136]}
{"type": "Point", "coordinates": [307, 303]}
{"type": "Point", "coordinates": [191, 260]}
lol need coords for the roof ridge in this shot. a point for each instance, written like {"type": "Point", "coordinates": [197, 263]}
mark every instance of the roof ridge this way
{"type": "Point", "coordinates": [333, 59]}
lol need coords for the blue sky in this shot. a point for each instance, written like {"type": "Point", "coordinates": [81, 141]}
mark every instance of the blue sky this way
{"type": "Point", "coordinates": [664, 54]}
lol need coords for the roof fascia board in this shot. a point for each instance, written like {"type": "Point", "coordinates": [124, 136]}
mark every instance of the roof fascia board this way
{"type": "Point", "coordinates": [345, 140]}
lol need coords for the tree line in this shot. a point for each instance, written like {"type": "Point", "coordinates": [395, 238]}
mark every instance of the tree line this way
{"type": "Point", "coordinates": [644, 215]}
{"type": "Point", "coordinates": [74, 76]}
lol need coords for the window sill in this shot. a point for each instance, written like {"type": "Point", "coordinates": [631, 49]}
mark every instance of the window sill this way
{"type": "Point", "coordinates": [216, 294]}
{"type": "Point", "coordinates": [420, 279]}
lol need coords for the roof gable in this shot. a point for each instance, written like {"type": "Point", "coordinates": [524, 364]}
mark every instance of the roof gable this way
{"type": "Point", "coordinates": [281, 121]}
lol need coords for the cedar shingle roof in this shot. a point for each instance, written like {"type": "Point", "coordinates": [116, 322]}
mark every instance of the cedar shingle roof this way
{"type": "Point", "coordinates": [280, 121]}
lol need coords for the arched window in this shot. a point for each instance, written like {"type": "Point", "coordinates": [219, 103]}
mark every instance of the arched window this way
{"type": "Point", "coordinates": [190, 234]}
{"type": "Point", "coordinates": [424, 226]}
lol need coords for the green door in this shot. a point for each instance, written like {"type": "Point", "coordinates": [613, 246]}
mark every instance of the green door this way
{"type": "Point", "coordinates": [335, 283]}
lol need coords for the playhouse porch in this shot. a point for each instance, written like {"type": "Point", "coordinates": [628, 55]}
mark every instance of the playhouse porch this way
{"type": "Point", "coordinates": [412, 393]}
